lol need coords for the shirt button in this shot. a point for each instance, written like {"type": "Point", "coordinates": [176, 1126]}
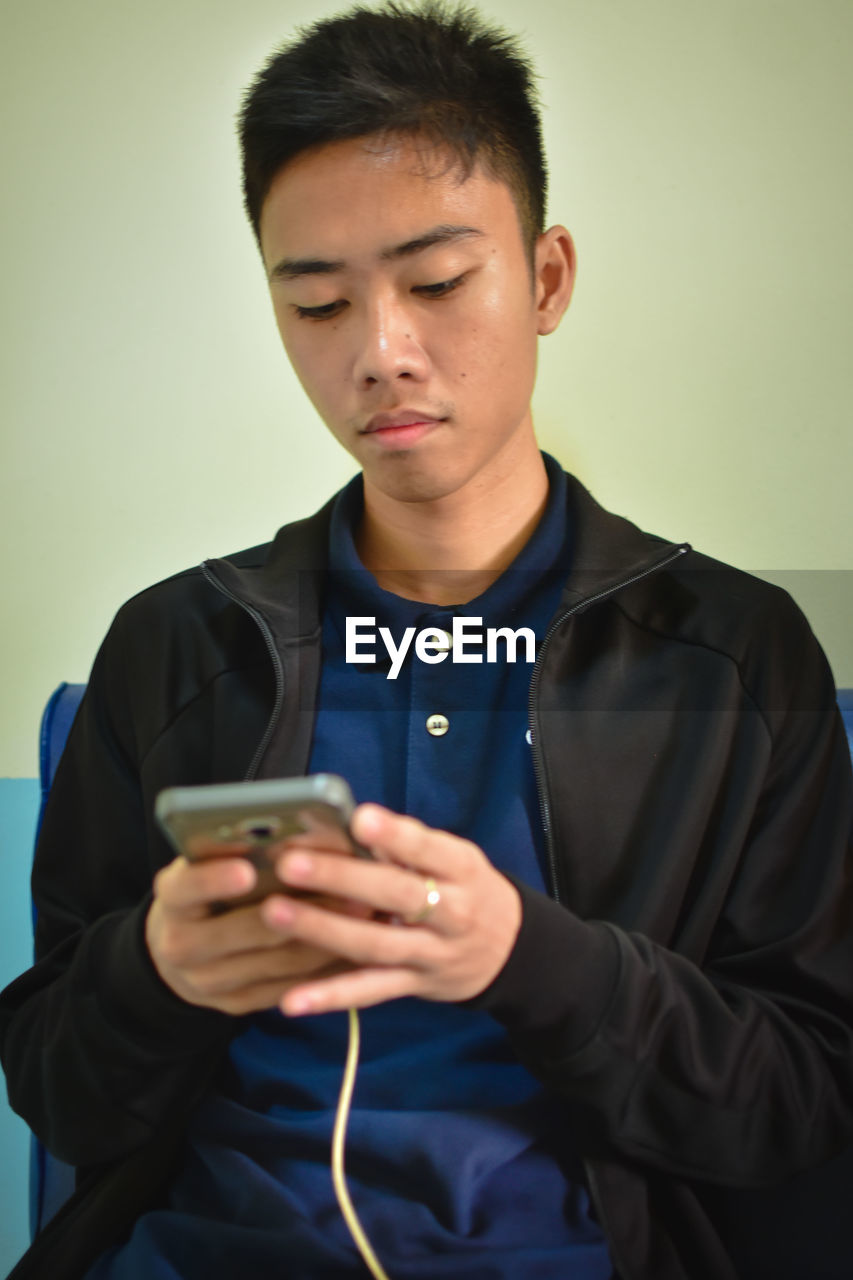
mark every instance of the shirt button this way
{"type": "Point", "coordinates": [437, 725]}
{"type": "Point", "coordinates": [448, 641]}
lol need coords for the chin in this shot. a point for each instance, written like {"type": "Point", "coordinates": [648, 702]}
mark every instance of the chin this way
{"type": "Point", "coordinates": [404, 478]}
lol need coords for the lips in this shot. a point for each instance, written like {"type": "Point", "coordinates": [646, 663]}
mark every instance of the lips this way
{"type": "Point", "coordinates": [399, 418]}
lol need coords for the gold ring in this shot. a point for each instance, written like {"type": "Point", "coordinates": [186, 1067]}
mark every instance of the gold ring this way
{"type": "Point", "coordinates": [431, 901]}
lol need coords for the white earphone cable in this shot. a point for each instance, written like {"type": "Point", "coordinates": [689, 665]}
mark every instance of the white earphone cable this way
{"type": "Point", "coordinates": [338, 1177]}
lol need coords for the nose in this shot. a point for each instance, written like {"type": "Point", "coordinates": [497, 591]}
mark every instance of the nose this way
{"type": "Point", "coordinates": [387, 347]}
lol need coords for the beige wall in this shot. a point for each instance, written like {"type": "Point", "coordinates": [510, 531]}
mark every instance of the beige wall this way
{"type": "Point", "coordinates": [701, 383]}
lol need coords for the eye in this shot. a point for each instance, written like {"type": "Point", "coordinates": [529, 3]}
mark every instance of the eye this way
{"type": "Point", "coordinates": [320, 313]}
{"type": "Point", "coordinates": [440, 290]}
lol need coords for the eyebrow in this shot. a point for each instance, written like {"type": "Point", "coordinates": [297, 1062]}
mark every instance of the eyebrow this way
{"type": "Point", "coordinates": [294, 268]}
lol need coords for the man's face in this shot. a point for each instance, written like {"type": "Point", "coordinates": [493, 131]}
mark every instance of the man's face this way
{"type": "Point", "coordinates": [405, 302]}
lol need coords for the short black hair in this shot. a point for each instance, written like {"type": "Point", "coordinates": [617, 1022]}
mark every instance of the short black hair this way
{"type": "Point", "coordinates": [433, 70]}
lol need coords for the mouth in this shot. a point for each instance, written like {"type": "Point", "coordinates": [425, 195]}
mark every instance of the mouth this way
{"type": "Point", "coordinates": [400, 428]}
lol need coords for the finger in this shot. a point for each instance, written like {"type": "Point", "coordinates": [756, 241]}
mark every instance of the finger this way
{"type": "Point", "coordinates": [362, 942]}
{"type": "Point", "coordinates": [384, 886]}
{"type": "Point", "coordinates": [408, 842]}
{"type": "Point", "coordinates": [185, 943]}
{"type": "Point", "coordinates": [258, 996]}
{"type": "Point", "coordinates": [285, 964]}
{"type": "Point", "coordinates": [354, 989]}
{"type": "Point", "coordinates": [187, 886]}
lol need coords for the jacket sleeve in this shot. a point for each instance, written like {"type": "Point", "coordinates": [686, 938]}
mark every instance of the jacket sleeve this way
{"type": "Point", "coordinates": [733, 1064]}
{"type": "Point", "coordinates": [97, 1051]}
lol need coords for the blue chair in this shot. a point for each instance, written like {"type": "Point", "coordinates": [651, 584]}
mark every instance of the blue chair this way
{"type": "Point", "coordinates": [52, 1181]}
{"type": "Point", "coordinates": [845, 702]}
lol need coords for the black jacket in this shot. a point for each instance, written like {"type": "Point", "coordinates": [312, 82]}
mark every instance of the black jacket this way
{"type": "Point", "coordinates": [688, 989]}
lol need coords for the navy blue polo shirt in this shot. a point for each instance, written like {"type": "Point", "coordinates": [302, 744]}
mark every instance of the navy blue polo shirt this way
{"type": "Point", "coordinates": [458, 1161]}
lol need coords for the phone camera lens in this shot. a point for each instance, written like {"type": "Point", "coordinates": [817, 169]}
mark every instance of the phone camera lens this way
{"type": "Point", "coordinates": [259, 828]}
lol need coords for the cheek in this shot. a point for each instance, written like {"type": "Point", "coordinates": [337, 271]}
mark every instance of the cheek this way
{"type": "Point", "coordinates": [497, 350]}
{"type": "Point", "coordinates": [310, 359]}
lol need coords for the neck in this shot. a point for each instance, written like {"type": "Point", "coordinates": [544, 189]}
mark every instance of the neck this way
{"type": "Point", "coordinates": [448, 550]}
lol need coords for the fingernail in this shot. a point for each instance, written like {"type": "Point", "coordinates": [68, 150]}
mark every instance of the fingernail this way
{"type": "Point", "coordinates": [368, 821]}
{"type": "Point", "coordinates": [297, 866]}
{"type": "Point", "coordinates": [244, 876]}
{"type": "Point", "coordinates": [298, 1004]}
{"type": "Point", "coordinates": [279, 911]}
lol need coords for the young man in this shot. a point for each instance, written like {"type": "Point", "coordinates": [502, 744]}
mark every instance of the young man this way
{"type": "Point", "coordinates": [604, 956]}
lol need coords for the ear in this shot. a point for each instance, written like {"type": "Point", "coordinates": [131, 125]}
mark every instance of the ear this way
{"type": "Point", "coordinates": [556, 266]}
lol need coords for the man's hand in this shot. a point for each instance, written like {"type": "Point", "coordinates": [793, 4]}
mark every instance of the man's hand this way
{"type": "Point", "coordinates": [452, 954]}
{"type": "Point", "coordinates": [234, 961]}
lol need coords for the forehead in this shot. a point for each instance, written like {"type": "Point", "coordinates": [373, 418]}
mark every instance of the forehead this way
{"type": "Point", "coordinates": [359, 197]}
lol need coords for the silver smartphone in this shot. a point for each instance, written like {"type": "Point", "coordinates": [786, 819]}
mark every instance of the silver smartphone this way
{"type": "Point", "coordinates": [257, 821]}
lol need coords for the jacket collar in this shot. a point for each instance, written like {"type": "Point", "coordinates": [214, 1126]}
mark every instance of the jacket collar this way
{"type": "Point", "coordinates": [286, 585]}
{"type": "Point", "coordinates": [609, 551]}
{"type": "Point", "coordinates": [283, 581]}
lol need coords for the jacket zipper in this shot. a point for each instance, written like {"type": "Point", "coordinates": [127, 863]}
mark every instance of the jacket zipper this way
{"type": "Point", "coordinates": [278, 666]}
{"type": "Point", "coordinates": [532, 705]}
{"type": "Point", "coordinates": [545, 811]}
